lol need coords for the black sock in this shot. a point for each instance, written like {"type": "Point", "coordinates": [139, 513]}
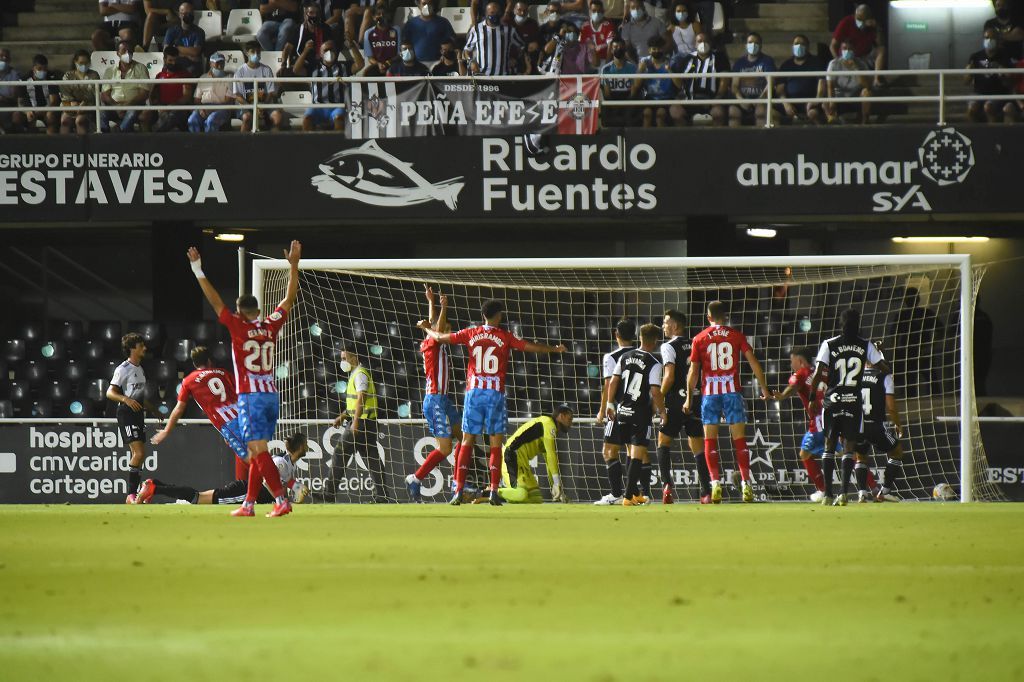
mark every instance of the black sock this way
{"type": "Point", "coordinates": [861, 472]}
{"type": "Point", "coordinates": [615, 476]}
{"type": "Point", "coordinates": [178, 492]}
{"type": "Point", "coordinates": [893, 470]}
{"type": "Point", "coordinates": [134, 479]}
{"type": "Point", "coordinates": [828, 469]}
{"type": "Point", "coordinates": [632, 477]}
{"type": "Point", "coordinates": [665, 465]}
{"type": "Point", "coordinates": [703, 475]}
{"type": "Point", "coordinates": [645, 478]}
{"type": "Point", "coordinates": [846, 471]}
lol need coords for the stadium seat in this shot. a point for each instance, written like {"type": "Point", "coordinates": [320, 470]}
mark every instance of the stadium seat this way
{"type": "Point", "coordinates": [93, 352]}
{"type": "Point", "coordinates": [152, 332]}
{"type": "Point", "coordinates": [153, 61]}
{"type": "Point", "coordinates": [210, 22]}
{"type": "Point", "coordinates": [14, 350]}
{"type": "Point", "coordinates": [18, 391]}
{"type": "Point", "coordinates": [180, 351]}
{"type": "Point", "coordinates": [52, 351]}
{"type": "Point", "coordinates": [31, 371]}
{"type": "Point", "coordinates": [101, 60]}
{"type": "Point", "coordinates": [57, 391]}
{"type": "Point", "coordinates": [243, 24]}
{"type": "Point", "coordinates": [296, 102]}
{"type": "Point", "coordinates": [41, 409]}
{"type": "Point", "coordinates": [72, 372]}
{"type": "Point", "coordinates": [459, 18]}
{"type": "Point", "coordinates": [107, 332]}
{"type": "Point", "coordinates": [358, 333]}
{"type": "Point", "coordinates": [221, 354]}
{"type": "Point", "coordinates": [31, 332]}
{"type": "Point", "coordinates": [273, 59]}
{"type": "Point", "coordinates": [6, 409]}
{"type": "Point", "coordinates": [404, 14]}
{"type": "Point", "coordinates": [232, 60]}
{"type": "Point", "coordinates": [70, 331]}
{"type": "Point", "coordinates": [162, 371]}
{"type": "Point", "coordinates": [203, 333]}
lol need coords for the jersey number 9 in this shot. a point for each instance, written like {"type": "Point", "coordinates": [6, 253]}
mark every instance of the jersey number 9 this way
{"type": "Point", "coordinates": [216, 387]}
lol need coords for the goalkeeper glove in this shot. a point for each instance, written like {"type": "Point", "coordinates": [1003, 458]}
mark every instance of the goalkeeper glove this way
{"type": "Point", "coordinates": [557, 493]}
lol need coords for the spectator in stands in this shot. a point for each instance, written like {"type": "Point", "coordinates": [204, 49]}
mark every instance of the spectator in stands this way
{"type": "Point", "coordinates": [380, 43]}
{"type": "Point", "coordinates": [683, 29]}
{"type": "Point", "coordinates": [851, 85]}
{"type": "Point", "coordinates": [450, 64]}
{"type": "Point", "coordinates": [246, 91]}
{"type": "Point", "coordinates": [212, 88]}
{"type": "Point", "coordinates": [552, 24]}
{"type": "Point", "coordinates": [598, 32]}
{"type": "Point", "coordinates": [160, 16]}
{"type": "Point", "coordinates": [313, 33]}
{"type": "Point", "coordinates": [42, 93]}
{"type": "Point", "coordinates": [358, 18]}
{"type": "Point", "coordinates": [332, 13]}
{"type": "Point", "coordinates": [656, 89]}
{"type": "Point", "coordinates": [801, 88]}
{"type": "Point", "coordinates": [1008, 26]}
{"type": "Point", "coordinates": [531, 61]}
{"type": "Point", "coordinates": [658, 9]}
{"type": "Point", "coordinates": [328, 92]}
{"type": "Point", "coordinates": [708, 63]}
{"type": "Point", "coordinates": [566, 55]}
{"type": "Point", "coordinates": [641, 27]}
{"type": "Point", "coordinates": [492, 47]}
{"type": "Point", "coordinates": [522, 22]}
{"type": "Point", "coordinates": [169, 94]}
{"type": "Point", "coordinates": [280, 23]}
{"type": "Point", "coordinates": [117, 16]}
{"type": "Point", "coordinates": [409, 66]}
{"type": "Point", "coordinates": [750, 88]}
{"type": "Point", "coordinates": [991, 56]}
{"type": "Point", "coordinates": [426, 32]}
{"type": "Point", "coordinates": [10, 94]}
{"type": "Point", "coordinates": [188, 38]}
{"type": "Point", "coordinates": [861, 32]}
{"type": "Point", "coordinates": [620, 88]}
{"type": "Point", "coordinates": [75, 93]}
{"type": "Point", "coordinates": [126, 94]}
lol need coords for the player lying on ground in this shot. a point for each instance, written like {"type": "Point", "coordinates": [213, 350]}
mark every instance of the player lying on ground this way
{"type": "Point", "coordinates": [625, 339]}
{"type": "Point", "coordinates": [484, 409]}
{"type": "Point", "coordinates": [882, 431]}
{"type": "Point", "coordinates": [235, 491]}
{"type": "Point", "coordinates": [639, 373]}
{"type": "Point", "coordinates": [673, 387]}
{"type": "Point", "coordinates": [530, 440]}
{"type": "Point", "coordinates": [844, 358]}
{"type": "Point", "coordinates": [128, 389]}
{"type": "Point", "coordinates": [252, 345]}
{"type": "Point", "coordinates": [441, 415]}
{"type": "Point", "coordinates": [715, 355]}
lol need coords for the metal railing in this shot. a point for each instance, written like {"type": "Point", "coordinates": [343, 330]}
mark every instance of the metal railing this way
{"type": "Point", "coordinates": [940, 97]}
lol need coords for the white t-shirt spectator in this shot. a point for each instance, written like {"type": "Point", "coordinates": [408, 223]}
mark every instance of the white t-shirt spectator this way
{"type": "Point", "coordinates": [122, 16]}
{"type": "Point", "coordinates": [845, 86]}
{"type": "Point", "coordinates": [244, 88]}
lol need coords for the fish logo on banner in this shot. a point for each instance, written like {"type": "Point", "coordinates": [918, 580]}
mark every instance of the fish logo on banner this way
{"type": "Point", "coordinates": [370, 175]}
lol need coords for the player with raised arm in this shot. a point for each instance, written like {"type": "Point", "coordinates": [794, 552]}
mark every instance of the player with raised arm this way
{"type": "Point", "coordinates": [252, 345]}
{"type": "Point", "coordinates": [535, 437]}
{"type": "Point", "coordinates": [844, 358]}
{"type": "Point", "coordinates": [441, 415]}
{"type": "Point", "coordinates": [638, 372]}
{"type": "Point", "coordinates": [715, 356]}
{"type": "Point", "coordinates": [813, 443]}
{"type": "Point", "coordinates": [484, 409]}
{"type": "Point", "coordinates": [128, 389]}
{"type": "Point", "coordinates": [625, 338]}
{"type": "Point", "coordinates": [673, 387]}
{"type": "Point", "coordinates": [882, 431]}
{"type": "Point", "coordinates": [213, 390]}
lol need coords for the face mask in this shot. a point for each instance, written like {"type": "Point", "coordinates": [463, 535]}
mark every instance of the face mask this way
{"type": "Point", "coordinates": [847, 55]}
{"type": "Point", "coordinates": [702, 48]}
{"type": "Point", "coordinates": [552, 17]}
{"type": "Point", "coordinates": [41, 75]}
{"type": "Point", "coordinates": [1003, 13]}
{"type": "Point", "coordinates": [169, 66]}
{"type": "Point", "coordinates": [217, 73]}
{"type": "Point", "coordinates": [187, 18]}
{"type": "Point", "coordinates": [655, 55]}
{"type": "Point", "coordinates": [619, 54]}
{"type": "Point", "coordinates": [425, 11]}
{"type": "Point", "coordinates": [82, 68]}
{"type": "Point", "coordinates": [254, 59]}
{"type": "Point", "coordinates": [448, 54]}
{"type": "Point", "coordinates": [406, 55]}
{"type": "Point", "coordinates": [379, 21]}
{"type": "Point", "coordinates": [328, 57]}
{"type": "Point", "coordinates": [596, 17]}
{"type": "Point", "coordinates": [799, 51]}
{"type": "Point", "coordinates": [570, 38]}
{"type": "Point", "coordinates": [493, 19]}
{"type": "Point", "coordinates": [860, 24]}
{"type": "Point", "coordinates": [753, 49]}
{"type": "Point", "coordinates": [989, 43]}
{"type": "Point", "coordinates": [635, 14]}
{"type": "Point", "coordinates": [3, 66]}
{"type": "Point", "coordinates": [681, 16]}
{"type": "Point", "coordinates": [520, 19]}
{"type": "Point", "coordinates": [126, 58]}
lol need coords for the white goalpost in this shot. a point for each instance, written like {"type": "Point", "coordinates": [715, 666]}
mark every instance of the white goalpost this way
{"type": "Point", "coordinates": [921, 307]}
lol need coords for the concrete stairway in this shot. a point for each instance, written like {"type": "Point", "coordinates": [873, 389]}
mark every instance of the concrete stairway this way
{"type": "Point", "coordinates": [56, 28]}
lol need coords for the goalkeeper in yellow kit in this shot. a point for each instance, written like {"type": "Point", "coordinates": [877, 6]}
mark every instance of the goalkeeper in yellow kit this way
{"type": "Point", "coordinates": [533, 438]}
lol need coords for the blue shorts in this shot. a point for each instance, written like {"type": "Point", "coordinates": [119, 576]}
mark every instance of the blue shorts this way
{"type": "Point", "coordinates": [729, 405]}
{"type": "Point", "coordinates": [257, 415]}
{"type": "Point", "coordinates": [484, 412]}
{"type": "Point", "coordinates": [440, 414]}
{"type": "Point", "coordinates": [232, 432]}
{"type": "Point", "coordinates": [324, 116]}
{"type": "Point", "coordinates": [814, 443]}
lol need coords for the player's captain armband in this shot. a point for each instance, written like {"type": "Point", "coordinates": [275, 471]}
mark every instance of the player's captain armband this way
{"type": "Point", "coordinates": [275, 316]}
{"type": "Point", "coordinates": [197, 268]}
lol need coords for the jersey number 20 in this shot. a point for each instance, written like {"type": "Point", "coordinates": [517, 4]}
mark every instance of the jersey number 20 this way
{"type": "Point", "coordinates": [260, 356]}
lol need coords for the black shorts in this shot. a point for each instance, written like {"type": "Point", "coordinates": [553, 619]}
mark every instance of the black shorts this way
{"type": "Point", "coordinates": [628, 433]}
{"type": "Point", "coordinates": [678, 421]}
{"type": "Point", "coordinates": [132, 425]}
{"type": "Point", "coordinates": [842, 424]}
{"type": "Point", "coordinates": [234, 493]}
{"type": "Point", "coordinates": [881, 436]}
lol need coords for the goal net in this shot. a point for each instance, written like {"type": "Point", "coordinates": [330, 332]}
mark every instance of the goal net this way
{"type": "Point", "coordinates": [912, 305]}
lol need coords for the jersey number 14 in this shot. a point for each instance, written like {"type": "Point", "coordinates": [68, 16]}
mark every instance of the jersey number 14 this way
{"type": "Point", "coordinates": [631, 382]}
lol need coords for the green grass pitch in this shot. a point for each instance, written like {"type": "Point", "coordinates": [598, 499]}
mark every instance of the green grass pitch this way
{"type": "Point", "coordinates": [873, 592]}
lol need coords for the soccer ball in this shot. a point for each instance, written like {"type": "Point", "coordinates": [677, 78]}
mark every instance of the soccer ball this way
{"type": "Point", "coordinates": [943, 492]}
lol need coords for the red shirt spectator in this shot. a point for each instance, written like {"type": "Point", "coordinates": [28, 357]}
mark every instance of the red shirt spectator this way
{"type": "Point", "coordinates": [171, 93]}
{"type": "Point", "coordinates": [599, 36]}
{"type": "Point", "coordinates": [862, 40]}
